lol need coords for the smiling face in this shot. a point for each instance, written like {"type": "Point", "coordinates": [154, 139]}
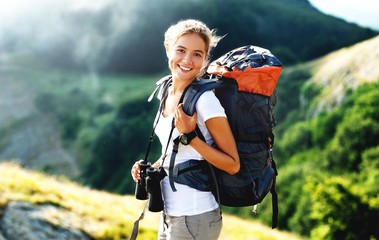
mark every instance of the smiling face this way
{"type": "Point", "coordinates": [187, 56]}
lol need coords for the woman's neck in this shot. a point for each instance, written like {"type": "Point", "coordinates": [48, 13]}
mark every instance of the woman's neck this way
{"type": "Point", "coordinates": [178, 86]}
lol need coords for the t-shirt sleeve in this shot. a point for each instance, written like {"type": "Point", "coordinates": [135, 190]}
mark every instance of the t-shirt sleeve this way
{"type": "Point", "coordinates": [208, 106]}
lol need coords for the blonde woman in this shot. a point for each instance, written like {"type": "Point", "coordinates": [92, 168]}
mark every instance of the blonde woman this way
{"type": "Point", "coordinates": [190, 213]}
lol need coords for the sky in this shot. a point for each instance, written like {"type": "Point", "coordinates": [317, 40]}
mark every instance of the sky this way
{"type": "Point", "coordinates": [362, 12]}
{"type": "Point", "coordinates": [23, 17]}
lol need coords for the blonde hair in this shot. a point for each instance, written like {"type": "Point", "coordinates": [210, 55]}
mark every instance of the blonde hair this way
{"type": "Point", "coordinates": [183, 27]}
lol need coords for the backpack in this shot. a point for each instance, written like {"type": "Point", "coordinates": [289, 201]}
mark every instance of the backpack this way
{"type": "Point", "coordinates": [244, 81]}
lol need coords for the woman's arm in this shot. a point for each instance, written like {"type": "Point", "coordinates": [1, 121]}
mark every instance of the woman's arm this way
{"type": "Point", "coordinates": [225, 156]}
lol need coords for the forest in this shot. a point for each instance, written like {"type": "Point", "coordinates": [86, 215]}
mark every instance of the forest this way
{"type": "Point", "coordinates": [326, 151]}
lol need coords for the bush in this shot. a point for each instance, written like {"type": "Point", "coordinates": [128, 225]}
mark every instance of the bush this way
{"type": "Point", "coordinates": [339, 212]}
{"type": "Point", "coordinates": [119, 145]}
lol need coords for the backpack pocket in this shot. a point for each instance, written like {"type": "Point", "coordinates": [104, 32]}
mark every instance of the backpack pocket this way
{"type": "Point", "coordinates": [253, 118]}
{"type": "Point", "coordinates": [251, 184]}
{"type": "Point", "coordinates": [195, 174]}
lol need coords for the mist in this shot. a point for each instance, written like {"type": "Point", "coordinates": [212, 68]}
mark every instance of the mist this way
{"type": "Point", "coordinates": [126, 36]}
{"type": "Point", "coordinates": [66, 33]}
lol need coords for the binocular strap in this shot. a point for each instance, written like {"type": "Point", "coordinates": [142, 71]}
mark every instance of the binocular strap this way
{"type": "Point", "coordinates": [134, 234]}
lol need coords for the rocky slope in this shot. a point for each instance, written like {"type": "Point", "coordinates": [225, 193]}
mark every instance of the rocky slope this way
{"type": "Point", "coordinates": [27, 135]}
{"type": "Point", "coordinates": [344, 70]}
{"type": "Point", "coordinates": [23, 220]}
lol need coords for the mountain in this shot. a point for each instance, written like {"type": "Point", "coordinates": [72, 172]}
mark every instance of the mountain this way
{"type": "Point", "coordinates": [117, 37]}
{"type": "Point", "coordinates": [51, 118]}
{"type": "Point", "coordinates": [327, 148]}
{"type": "Point", "coordinates": [29, 135]}
{"type": "Point", "coordinates": [323, 83]}
{"type": "Point", "coordinates": [343, 70]}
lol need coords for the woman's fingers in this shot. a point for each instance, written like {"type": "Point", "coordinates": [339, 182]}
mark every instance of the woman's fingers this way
{"type": "Point", "coordinates": [136, 171]}
{"type": "Point", "coordinates": [183, 122]}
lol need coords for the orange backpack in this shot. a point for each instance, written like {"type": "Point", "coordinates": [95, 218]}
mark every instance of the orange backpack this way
{"type": "Point", "coordinates": [255, 69]}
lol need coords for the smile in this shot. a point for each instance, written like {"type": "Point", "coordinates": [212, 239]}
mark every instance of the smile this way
{"type": "Point", "coordinates": [185, 68]}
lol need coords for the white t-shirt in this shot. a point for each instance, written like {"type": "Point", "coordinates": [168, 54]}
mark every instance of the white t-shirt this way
{"type": "Point", "coordinates": [186, 200]}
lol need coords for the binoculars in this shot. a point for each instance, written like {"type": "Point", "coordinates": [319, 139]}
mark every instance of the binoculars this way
{"type": "Point", "coordinates": [148, 187]}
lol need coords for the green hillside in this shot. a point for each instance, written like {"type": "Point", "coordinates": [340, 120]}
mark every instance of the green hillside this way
{"type": "Point", "coordinates": [62, 113]}
{"type": "Point", "coordinates": [327, 146]}
{"type": "Point", "coordinates": [103, 215]}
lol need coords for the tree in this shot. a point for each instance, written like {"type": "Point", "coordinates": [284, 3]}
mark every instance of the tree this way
{"type": "Point", "coordinates": [119, 145]}
{"type": "Point", "coordinates": [339, 212]}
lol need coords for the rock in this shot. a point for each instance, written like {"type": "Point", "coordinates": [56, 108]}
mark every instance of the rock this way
{"type": "Point", "coordinates": [23, 220]}
{"type": "Point", "coordinates": [36, 144]}
{"type": "Point", "coordinates": [2, 237]}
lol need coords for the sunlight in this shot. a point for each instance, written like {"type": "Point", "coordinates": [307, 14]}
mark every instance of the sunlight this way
{"type": "Point", "coordinates": [13, 12]}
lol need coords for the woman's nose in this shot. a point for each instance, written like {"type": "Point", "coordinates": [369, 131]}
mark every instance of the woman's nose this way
{"type": "Point", "coordinates": [187, 58]}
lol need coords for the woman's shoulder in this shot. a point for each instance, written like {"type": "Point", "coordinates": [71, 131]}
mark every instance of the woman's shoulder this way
{"type": "Point", "coordinates": [208, 94]}
{"type": "Point", "coordinates": [208, 99]}
{"type": "Point", "coordinates": [208, 105]}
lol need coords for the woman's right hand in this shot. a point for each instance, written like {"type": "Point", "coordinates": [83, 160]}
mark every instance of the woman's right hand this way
{"type": "Point", "coordinates": [136, 171]}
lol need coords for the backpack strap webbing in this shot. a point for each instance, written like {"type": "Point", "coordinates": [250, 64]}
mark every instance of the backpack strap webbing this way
{"type": "Point", "coordinates": [274, 196]}
{"type": "Point", "coordinates": [172, 163]}
{"type": "Point", "coordinates": [215, 191]}
{"type": "Point", "coordinates": [134, 234]}
{"type": "Point", "coordinates": [274, 203]}
{"type": "Point", "coordinates": [176, 144]}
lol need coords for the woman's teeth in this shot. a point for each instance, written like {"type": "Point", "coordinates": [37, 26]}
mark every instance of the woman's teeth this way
{"type": "Point", "coordinates": [185, 68]}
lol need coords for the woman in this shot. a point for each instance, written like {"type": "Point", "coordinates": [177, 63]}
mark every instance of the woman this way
{"type": "Point", "coordinates": [190, 213]}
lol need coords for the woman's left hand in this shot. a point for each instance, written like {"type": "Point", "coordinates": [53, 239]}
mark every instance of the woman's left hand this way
{"type": "Point", "coordinates": [183, 122]}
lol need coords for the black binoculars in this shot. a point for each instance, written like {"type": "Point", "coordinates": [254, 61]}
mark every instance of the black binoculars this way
{"type": "Point", "coordinates": [149, 187]}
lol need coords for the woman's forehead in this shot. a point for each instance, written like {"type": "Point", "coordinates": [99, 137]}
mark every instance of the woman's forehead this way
{"type": "Point", "coordinates": [191, 41]}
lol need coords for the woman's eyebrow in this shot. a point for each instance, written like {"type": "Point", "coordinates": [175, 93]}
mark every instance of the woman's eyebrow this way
{"type": "Point", "coordinates": [200, 51]}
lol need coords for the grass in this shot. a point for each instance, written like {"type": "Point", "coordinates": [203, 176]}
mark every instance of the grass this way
{"type": "Point", "coordinates": [100, 214]}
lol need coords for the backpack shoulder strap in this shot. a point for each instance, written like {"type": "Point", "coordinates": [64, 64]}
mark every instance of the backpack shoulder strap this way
{"type": "Point", "coordinates": [189, 99]}
{"type": "Point", "coordinates": [162, 85]}
{"type": "Point", "coordinates": [194, 92]}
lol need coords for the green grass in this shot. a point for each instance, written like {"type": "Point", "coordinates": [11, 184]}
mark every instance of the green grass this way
{"type": "Point", "coordinates": [104, 215]}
